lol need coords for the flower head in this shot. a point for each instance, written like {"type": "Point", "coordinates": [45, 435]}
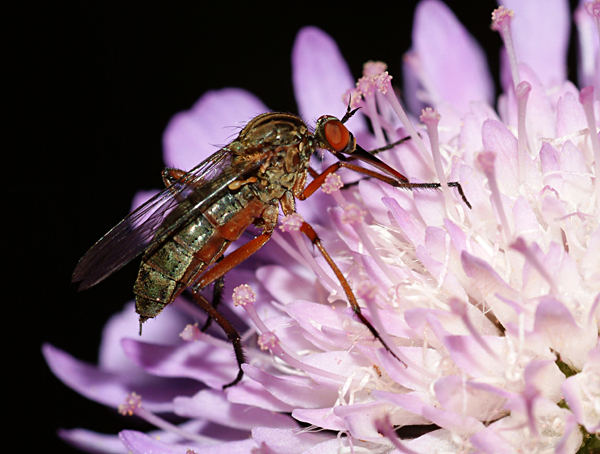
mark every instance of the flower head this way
{"type": "Point", "coordinates": [490, 314]}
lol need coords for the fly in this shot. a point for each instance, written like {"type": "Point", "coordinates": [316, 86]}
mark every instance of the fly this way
{"type": "Point", "coordinates": [184, 230]}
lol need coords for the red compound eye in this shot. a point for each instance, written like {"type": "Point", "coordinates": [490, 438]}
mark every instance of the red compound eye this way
{"type": "Point", "coordinates": [336, 134]}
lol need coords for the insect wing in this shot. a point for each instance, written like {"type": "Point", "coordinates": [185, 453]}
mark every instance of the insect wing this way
{"type": "Point", "coordinates": [130, 237]}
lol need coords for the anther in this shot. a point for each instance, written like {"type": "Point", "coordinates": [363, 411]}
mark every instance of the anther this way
{"type": "Point", "coordinates": [243, 295]}
{"type": "Point", "coordinates": [133, 401]}
{"type": "Point", "coordinates": [291, 223]}
{"type": "Point", "coordinates": [374, 68]}
{"type": "Point", "coordinates": [501, 19]}
{"type": "Point", "coordinates": [190, 333]}
{"type": "Point", "coordinates": [352, 213]}
{"type": "Point", "coordinates": [332, 183]}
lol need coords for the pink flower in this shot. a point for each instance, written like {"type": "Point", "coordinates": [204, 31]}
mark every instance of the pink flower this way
{"type": "Point", "coordinates": [492, 312]}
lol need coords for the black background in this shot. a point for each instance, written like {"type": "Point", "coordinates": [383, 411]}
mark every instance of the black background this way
{"type": "Point", "coordinates": [100, 82]}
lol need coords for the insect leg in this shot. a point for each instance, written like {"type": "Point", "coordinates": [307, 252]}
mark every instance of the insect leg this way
{"type": "Point", "coordinates": [230, 331]}
{"type": "Point", "coordinates": [232, 260]}
{"type": "Point", "coordinates": [452, 184]}
{"type": "Point", "coordinates": [216, 273]}
{"type": "Point", "coordinates": [316, 241]}
{"type": "Point", "coordinates": [173, 177]}
{"type": "Point", "coordinates": [319, 179]}
{"type": "Point", "coordinates": [313, 173]}
{"type": "Point", "coordinates": [216, 298]}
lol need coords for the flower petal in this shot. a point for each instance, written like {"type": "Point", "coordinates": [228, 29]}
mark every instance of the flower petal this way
{"type": "Point", "coordinates": [498, 139]}
{"type": "Point", "coordinates": [540, 31]}
{"type": "Point", "coordinates": [214, 120]}
{"type": "Point", "coordinates": [360, 418]}
{"type": "Point", "coordinates": [321, 77]}
{"type": "Point", "coordinates": [331, 446]}
{"type": "Point", "coordinates": [199, 360]}
{"type": "Point", "coordinates": [582, 392]}
{"type": "Point", "coordinates": [555, 321]}
{"type": "Point", "coordinates": [570, 118]}
{"type": "Point", "coordinates": [587, 34]}
{"type": "Point", "coordinates": [320, 417]}
{"type": "Point", "coordinates": [455, 74]}
{"type": "Point", "coordinates": [111, 388]}
{"type": "Point", "coordinates": [320, 317]}
{"type": "Point", "coordinates": [282, 283]}
{"type": "Point", "coordinates": [250, 392]}
{"type": "Point", "coordinates": [89, 441]}
{"type": "Point", "coordinates": [140, 443]}
{"type": "Point", "coordinates": [296, 391]}
{"type": "Point", "coordinates": [213, 406]}
{"type": "Point", "coordinates": [287, 441]}
{"type": "Point", "coordinates": [490, 441]}
{"type": "Point", "coordinates": [164, 329]}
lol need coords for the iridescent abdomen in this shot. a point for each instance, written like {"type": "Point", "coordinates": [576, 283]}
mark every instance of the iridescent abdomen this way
{"type": "Point", "coordinates": [177, 263]}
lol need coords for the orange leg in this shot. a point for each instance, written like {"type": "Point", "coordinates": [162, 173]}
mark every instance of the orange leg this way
{"type": "Point", "coordinates": [232, 260]}
{"type": "Point", "coordinates": [173, 178]}
{"type": "Point", "coordinates": [320, 178]}
{"type": "Point", "coordinates": [316, 241]}
{"type": "Point", "coordinates": [215, 274]}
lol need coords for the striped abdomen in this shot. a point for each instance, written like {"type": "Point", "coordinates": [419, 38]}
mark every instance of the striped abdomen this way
{"type": "Point", "coordinates": [176, 265]}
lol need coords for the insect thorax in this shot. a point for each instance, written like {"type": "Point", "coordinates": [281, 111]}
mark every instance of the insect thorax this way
{"type": "Point", "coordinates": [282, 144]}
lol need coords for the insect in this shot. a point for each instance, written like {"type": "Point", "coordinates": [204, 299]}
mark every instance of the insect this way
{"type": "Point", "coordinates": [184, 230]}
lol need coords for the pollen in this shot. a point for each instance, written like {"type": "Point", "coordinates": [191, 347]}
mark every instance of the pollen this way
{"type": "Point", "coordinates": [352, 213]}
{"type": "Point", "coordinates": [291, 223]}
{"type": "Point", "coordinates": [353, 98]}
{"type": "Point", "coordinates": [133, 401]}
{"type": "Point", "coordinates": [190, 332]}
{"type": "Point", "coordinates": [501, 18]}
{"type": "Point", "coordinates": [381, 82]}
{"type": "Point", "coordinates": [332, 183]}
{"type": "Point", "coordinates": [374, 68]}
{"type": "Point", "coordinates": [267, 341]}
{"type": "Point", "coordinates": [384, 82]}
{"type": "Point", "coordinates": [430, 116]}
{"type": "Point", "coordinates": [242, 295]}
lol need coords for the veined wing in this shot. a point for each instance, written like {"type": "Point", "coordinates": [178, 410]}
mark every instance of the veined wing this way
{"type": "Point", "coordinates": [140, 229]}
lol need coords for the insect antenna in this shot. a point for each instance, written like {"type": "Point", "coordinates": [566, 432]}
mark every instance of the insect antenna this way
{"type": "Point", "coordinates": [349, 112]}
